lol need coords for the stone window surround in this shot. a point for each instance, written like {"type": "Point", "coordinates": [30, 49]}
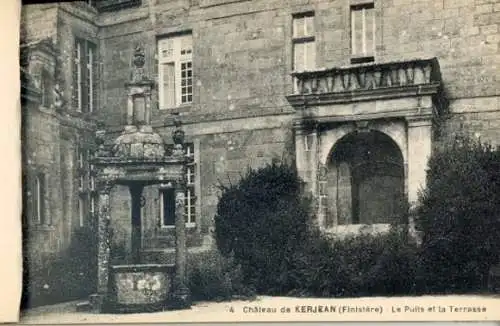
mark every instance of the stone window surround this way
{"type": "Point", "coordinates": [95, 70]}
{"type": "Point", "coordinates": [85, 182]}
{"type": "Point", "coordinates": [178, 106]}
{"type": "Point", "coordinates": [366, 56]}
{"type": "Point", "coordinates": [43, 222]}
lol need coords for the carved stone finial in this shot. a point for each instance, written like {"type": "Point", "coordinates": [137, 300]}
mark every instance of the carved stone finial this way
{"type": "Point", "coordinates": [178, 137]}
{"type": "Point", "coordinates": [139, 60]}
{"type": "Point", "coordinates": [139, 56]}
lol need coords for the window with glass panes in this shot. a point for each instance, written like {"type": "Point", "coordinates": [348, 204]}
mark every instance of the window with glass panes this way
{"type": "Point", "coordinates": [87, 196]}
{"type": "Point", "coordinates": [167, 196]}
{"type": "Point", "coordinates": [363, 30]}
{"type": "Point", "coordinates": [303, 39]}
{"type": "Point", "coordinates": [85, 76]}
{"type": "Point", "coordinates": [38, 199]}
{"type": "Point", "coordinates": [175, 71]}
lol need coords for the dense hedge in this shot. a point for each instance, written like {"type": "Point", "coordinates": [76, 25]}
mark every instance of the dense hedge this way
{"type": "Point", "coordinates": [360, 265]}
{"type": "Point", "coordinates": [459, 217]}
{"type": "Point", "coordinates": [261, 221]}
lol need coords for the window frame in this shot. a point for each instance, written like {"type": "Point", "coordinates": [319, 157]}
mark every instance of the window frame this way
{"type": "Point", "coordinates": [38, 199]}
{"type": "Point", "coordinates": [304, 39]}
{"type": "Point", "coordinates": [190, 195]}
{"type": "Point", "coordinates": [162, 190]}
{"type": "Point", "coordinates": [85, 79]}
{"type": "Point", "coordinates": [177, 59]}
{"type": "Point", "coordinates": [365, 55]}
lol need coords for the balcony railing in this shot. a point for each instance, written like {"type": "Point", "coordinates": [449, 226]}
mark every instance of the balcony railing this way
{"type": "Point", "coordinates": [386, 76]}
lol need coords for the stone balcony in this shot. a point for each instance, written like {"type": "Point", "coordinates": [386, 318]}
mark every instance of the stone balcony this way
{"type": "Point", "coordinates": [378, 90]}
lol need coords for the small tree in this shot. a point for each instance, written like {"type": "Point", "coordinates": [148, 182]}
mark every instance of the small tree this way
{"type": "Point", "coordinates": [459, 216]}
{"type": "Point", "coordinates": [260, 221]}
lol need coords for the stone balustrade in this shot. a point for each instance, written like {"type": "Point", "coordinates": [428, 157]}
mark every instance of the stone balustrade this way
{"type": "Point", "coordinates": [367, 77]}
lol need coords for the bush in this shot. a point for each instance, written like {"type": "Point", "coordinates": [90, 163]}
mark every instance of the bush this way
{"type": "Point", "coordinates": [361, 265]}
{"type": "Point", "coordinates": [62, 276]}
{"type": "Point", "coordinates": [214, 277]}
{"type": "Point", "coordinates": [262, 220]}
{"type": "Point", "coordinates": [459, 216]}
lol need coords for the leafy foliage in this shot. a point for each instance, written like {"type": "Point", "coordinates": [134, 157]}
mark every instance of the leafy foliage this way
{"type": "Point", "coordinates": [459, 217]}
{"type": "Point", "coordinates": [262, 220]}
{"type": "Point", "coordinates": [214, 277]}
{"type": "Point", "coordinates": [69, 276]}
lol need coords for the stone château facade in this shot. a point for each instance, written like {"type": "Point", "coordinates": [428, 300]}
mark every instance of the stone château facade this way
{"type": "Point", "coordinates": [356, 92]}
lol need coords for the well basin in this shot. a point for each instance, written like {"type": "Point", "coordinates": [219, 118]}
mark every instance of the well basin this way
{"type": "Point", "coordinates": [139, 288]}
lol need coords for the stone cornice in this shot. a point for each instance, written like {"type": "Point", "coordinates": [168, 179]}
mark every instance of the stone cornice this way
{"type": "Point", "coordinates": [384, 93]}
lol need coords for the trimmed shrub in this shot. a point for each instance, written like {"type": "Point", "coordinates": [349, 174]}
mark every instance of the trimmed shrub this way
{"type": "Point", "coordinates": [214, 277]}
{"type": "Point", "coordinates": [261, 221]}
{"type": "Point", "coordinates": [459, 217]}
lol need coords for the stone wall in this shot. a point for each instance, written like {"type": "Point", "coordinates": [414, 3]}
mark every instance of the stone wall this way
{"type": "Point", "coordinates": [242, 63]}
{"type": "Point", "coordinates": [50, 140]}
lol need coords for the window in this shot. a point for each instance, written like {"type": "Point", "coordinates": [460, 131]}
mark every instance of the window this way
{"type": "Point", "coordinates": [304, 47]}
{"type": "Point", "coordinates": [39, 199]}
{"type": "Point", "coordinates": [167, 207]}
{"type": "Point", "coordinates": [362, 33]}
{"type": "Point", "coordinates": [81, 211]}
{"type": "Point", "coordinates": [175, 59]}
{"type": "Point", "coordinates": [85, 82]}
{"type": "Point", "coordinates": [167, 196]}
{"type": "Point", "coordinates": [190, 197]}
{"type": "Point", "coordinates": [86, 184]}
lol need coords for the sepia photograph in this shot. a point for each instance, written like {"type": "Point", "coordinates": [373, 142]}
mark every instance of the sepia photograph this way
{"type": "Point", "coordinates": [260, 160]}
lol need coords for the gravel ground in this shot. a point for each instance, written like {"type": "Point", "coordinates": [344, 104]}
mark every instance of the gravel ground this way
{"type": "Point", "coordinates": [275, 309]}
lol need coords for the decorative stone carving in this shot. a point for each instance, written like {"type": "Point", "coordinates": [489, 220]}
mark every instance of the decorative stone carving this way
{"type": "Point", "coordinates": [395, 74]}
{"type": "Point", "coordinates": [101, 151]}
{"type": "Point", "coordinates": [141, 143]}
{"type": "Point", "coordinates": [178, 136]}
{"type": "Point", "coordinates": [139, 60]}
{"type": "Point", "coordinates": [58, 97]}
{"type": "Point", "coordinates": [362, 125]}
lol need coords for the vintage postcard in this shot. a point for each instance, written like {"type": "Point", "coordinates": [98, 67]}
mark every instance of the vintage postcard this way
{"type": "Point", "coordinates": [260, 160]}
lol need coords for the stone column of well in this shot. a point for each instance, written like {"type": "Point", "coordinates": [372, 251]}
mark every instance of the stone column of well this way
{"type": "Point", "coordinates": [181, 291]}
{"type": "Point", "coordinates": [419, 151]}
{"type": "Point", "coordinates": [103, 240]}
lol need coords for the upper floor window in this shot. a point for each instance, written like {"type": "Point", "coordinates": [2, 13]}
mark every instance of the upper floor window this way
{"type": "Point", "coordinates": [85, 71]}
{"type": "Point", "coordinates": [304, 47]}
{"type": "Point", "coordinates": [175, 71]}
{"type": "Point", "coordinates": [362, 33]}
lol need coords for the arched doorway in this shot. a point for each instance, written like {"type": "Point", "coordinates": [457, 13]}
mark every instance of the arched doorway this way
{"type": "Point", "coordinates": [365, 180]}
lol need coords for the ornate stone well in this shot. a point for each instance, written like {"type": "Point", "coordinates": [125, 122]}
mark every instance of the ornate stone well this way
{"type": "Point", "coordinates": [136, 159]}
